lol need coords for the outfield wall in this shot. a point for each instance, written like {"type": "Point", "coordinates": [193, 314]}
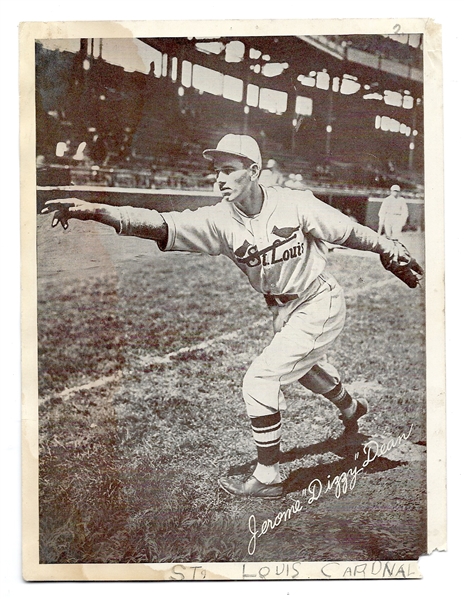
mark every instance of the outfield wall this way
{"type": "Point", "coordinates": [164, 200]}
{"type": "Point", "coordinates": [363, 207]}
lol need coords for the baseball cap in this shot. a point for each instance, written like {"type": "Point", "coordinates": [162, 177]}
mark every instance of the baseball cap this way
{"type": "Point", "coordinates": [395, 188]}
{"type": "Point", "coordinates": [242, 146]}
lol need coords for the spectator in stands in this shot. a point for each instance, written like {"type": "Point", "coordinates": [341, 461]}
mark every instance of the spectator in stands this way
{"type": "Point", "coordinates": [393, 214]}
{"type": "Point", "coordinates": [271, 175]}
{"type": "Point", "coordinates": [299, 184]}
{"type": "Point", "coordinates": [290, 182]}
{"type": "Point", "coordinates": [295, 181]}
{"type": "Point", "coordinates": [323, 172]}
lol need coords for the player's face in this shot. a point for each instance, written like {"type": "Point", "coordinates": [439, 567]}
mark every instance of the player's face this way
{"type": "Point", "coordinates": [233, 178]}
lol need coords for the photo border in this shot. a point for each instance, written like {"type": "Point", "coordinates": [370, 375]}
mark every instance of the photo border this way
{"type": "Point", "coordinates": [435, 355]}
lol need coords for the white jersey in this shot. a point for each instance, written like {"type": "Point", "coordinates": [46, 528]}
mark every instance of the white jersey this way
{"type": "Point", "coordinates": [283, 253]}
{"type": "Point", "coordinates": [394, 206]}
{"type": "Point", "coordinates": [281, 250]}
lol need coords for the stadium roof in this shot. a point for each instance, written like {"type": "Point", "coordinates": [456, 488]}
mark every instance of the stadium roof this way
{"type": "Point", "coordinates": [374, 60]}
{"type": "Point", "coordinates": [402, 59]}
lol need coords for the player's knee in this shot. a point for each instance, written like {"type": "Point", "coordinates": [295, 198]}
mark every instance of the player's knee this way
{"type": "Point", "coordinates": [250, 382]}
{"type": "Point", "coordinates": [261, 394]}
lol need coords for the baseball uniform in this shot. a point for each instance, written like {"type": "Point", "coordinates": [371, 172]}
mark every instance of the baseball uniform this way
{"type": "Point", "coordinates": [393, 215]}
{"type": "Point", "coordinates": [282, 252]}
{"type": "Point", "coordinates": [277, 237]}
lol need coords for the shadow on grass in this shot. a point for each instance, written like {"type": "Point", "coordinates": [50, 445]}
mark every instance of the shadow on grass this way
{"type": "Point", "coordinates": [340, 446]}
{"type": "Point", "coordinates": [348, 447]}
{"type": "Point", "coordinates": [300, 479]}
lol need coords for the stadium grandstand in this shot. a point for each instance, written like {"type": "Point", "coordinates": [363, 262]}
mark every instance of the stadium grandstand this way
{"type": "Point", "coordinates": [341, 115]}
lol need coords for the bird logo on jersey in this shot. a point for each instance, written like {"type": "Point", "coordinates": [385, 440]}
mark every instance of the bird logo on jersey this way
{"type": "Point", "coordinates": [285, 232]}
{"type": "Point", "coordinates": [249, 254]}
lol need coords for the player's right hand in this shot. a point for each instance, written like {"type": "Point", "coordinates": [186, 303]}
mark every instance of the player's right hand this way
{"type": "Point", "coordinates": [65, 209]}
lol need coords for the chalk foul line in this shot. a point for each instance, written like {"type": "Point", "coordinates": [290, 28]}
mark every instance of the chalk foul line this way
{"type": "Point", "coordinates": [167, 358]}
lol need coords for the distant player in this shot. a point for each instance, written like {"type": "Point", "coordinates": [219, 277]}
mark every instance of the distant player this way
{"type": "Point", "coordinates": [276, 236]}
{"type": "Point", "coordinates": [393, 214]}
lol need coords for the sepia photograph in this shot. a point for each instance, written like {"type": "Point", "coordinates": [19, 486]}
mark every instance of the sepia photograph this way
{"type": "Point", "coordinates": [234, 320]}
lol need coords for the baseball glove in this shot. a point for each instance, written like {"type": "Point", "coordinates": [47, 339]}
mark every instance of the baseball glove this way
{"type": "Point", "coordinates": [403, 265]}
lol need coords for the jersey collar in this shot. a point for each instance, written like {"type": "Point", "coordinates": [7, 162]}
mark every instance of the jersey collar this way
{"type": "Point", "coordinates": [269, 201]}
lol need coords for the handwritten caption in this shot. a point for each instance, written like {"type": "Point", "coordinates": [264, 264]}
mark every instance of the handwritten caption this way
{"type": "Point", "coordinates": [339, 485]}
{"type": "Point", "coordinates": [295, 571]}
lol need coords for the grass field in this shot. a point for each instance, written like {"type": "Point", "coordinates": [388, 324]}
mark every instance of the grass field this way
{"type": "Point", "coordinates": [141, 357]}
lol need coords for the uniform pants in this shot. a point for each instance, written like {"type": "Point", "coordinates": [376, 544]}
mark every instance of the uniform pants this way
{"type": "Point", "coordinates": [304, 330]}
{"type": "Point", "coordinates": [393, 226]}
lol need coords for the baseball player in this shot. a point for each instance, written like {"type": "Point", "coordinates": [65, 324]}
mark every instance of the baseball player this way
{"type": "Point", "coordinates": [393, 214]}
{"type": "Point", "coordinates": [276, 236]}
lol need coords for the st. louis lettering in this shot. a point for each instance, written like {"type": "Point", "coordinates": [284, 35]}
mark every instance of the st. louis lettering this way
{"type": "Point", "coordinates": [269, 253]}
{"type": "Point", "coordinates": [181, 572]}
{"type": "Point", "coordinates": [287, 254]}
{"type": "Point", "coordinates": [274, 572]}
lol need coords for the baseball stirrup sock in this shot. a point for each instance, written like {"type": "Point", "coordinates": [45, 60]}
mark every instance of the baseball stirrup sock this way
{"type": "Point", "coordinates": [340, 397]}
{"type": "Point", "coordinates": [266, 434]}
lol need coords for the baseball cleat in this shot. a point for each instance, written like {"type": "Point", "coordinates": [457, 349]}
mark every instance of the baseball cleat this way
{"type": "Point", "coordinates": [351, 423]}
{"type": "Point", "coordinates": [251, 487]}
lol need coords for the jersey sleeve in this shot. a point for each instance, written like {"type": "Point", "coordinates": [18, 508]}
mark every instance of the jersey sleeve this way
{"type": "Point", "coordinates": [195, 230]}
{"type": "Point", "coordinates": [329, 224]}
{"type": "Point", "coordinates": [323, 221]}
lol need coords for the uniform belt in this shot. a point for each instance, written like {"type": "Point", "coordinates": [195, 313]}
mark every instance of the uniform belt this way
{"type": "Point", "coordinates": [280, 300]}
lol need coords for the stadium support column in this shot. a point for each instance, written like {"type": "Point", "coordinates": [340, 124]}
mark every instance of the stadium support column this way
{"type": "Point", "coordinates": [330, 119]}
{"type": "Point", "coordinates": [291, 107]}
{"type": "Point", "coordinates": [246, 79]}
{"type": "Point", "coordinates": [411, 137]}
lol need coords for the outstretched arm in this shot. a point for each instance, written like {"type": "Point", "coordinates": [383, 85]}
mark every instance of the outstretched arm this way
{"type": "Point", "coordinates": [325, 222]}
{"type": "Point", "coordinates": [64, 210]}
{"type": "Point", "coordinates": [394, 256]}
{"type": "Point", "coordinates": [145, 223]}
{"type": "Point", "coordinates": [364, 238]}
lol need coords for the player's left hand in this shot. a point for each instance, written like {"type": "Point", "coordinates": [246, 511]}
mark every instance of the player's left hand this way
{"type": "Point", "coordinates": [402, 265]}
